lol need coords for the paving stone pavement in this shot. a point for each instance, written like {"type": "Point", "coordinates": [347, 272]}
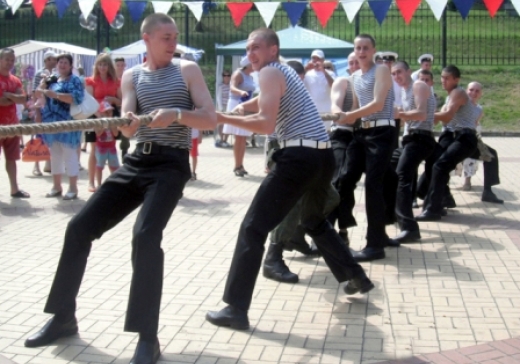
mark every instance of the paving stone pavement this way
{"type": "Point", "coordinates": [452, 298]}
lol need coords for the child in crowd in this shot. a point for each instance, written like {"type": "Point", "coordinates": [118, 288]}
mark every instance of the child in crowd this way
{"type": "Point", "coordinates": [196, 139]}
{"type": "Point", "coordinates": [106, 145]}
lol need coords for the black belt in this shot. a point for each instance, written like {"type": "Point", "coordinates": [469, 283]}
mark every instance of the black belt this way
{"type": "Point", "coordinates": [465, 131]}
{"type": "Point", "coordinates": [420, 131]}
{"type": "Point", "coordinates": [148, 148]}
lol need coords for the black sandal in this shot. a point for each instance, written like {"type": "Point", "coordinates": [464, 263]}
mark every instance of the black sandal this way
{"type": "Point", "coordinates": [20, 194]}
{"type": "Point", "coordinates": [239, 172]}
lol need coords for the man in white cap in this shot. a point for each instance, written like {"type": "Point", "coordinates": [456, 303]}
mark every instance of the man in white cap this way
{"type": "Point", "coordinates": [318, 82]}
{"type": "Point", "coordinates": [425, 61]}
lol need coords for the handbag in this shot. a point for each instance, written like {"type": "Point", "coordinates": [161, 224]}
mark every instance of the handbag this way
{"type": "Point", "coordinates": [87, 108]}
{"type": "Point", "coordinates": [35, 150]}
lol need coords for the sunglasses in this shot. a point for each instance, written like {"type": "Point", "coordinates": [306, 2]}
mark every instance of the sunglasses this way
{"type": "Point", "coordinates": [226, 75]}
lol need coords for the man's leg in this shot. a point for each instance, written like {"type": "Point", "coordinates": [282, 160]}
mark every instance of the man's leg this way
{"type": "Point", "coordinates": [491, 178]}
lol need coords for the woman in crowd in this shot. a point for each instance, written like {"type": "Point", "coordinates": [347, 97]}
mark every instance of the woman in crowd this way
{"type": "Point", "coordinates": [241, 89]}
{"type": "Point", "coordinates": [222, 101]}
{"type": "Point", "coordinates": [60, 92]}
{"type": "Point", "coordinates": [104, 86]}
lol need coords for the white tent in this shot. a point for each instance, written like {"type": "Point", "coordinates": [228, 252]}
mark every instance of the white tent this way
{"type": "Point", "coordinates": [31, 52]}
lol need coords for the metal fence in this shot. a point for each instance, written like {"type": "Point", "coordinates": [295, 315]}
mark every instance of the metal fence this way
{"type": "Point", "coordinates": [479, 40]}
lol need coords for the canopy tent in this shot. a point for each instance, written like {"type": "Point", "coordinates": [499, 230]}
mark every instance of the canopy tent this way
{"type": "Point", "coordinates": [295, 43]}
{"type": "Point", "coordinates": [31, 53]}
{"type": "Point", "coordinates": [134, 52]}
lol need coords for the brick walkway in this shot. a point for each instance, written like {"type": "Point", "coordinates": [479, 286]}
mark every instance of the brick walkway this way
{"type": "Point", "coordinates": [454, 298]}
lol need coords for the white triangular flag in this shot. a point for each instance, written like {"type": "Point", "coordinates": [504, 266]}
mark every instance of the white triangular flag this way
{"type": "Point", "coordinates": [351, 8]}
{"type": "Point", "coordinates": [437, 7]}
{"type": "Point", "coordinates": [161, 6]}
{"type": "Point", "coordinates": [196, 8]}
{"type": "Point", "coordinates": [14, 4]}
{"type": "Point", "coordinates": [267, 11]}
{"type": "Point", "coordinates": [516, 4]}
{"type": "Point", "coordinates": [86, 7]}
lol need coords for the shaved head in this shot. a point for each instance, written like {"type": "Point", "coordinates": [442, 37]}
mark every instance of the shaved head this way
{"type": "Point", "coordinates": [153, 21]}
{"type": "Point", "coordinates": [475, 84]}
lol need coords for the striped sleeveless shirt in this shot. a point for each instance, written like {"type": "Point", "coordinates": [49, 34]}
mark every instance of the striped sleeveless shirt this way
{"type": "Point", "coordinates": [408, 103]}
{"type": "Point", "coordinates": [466, 116]}
{"type": "Point", "coordinates": [297, 117]}
{"type": "Point", "coordinates": [162, 88]}
{"type": "Point", "coordinates": [364, 84]}
{"type": "Point", "coordinates": [348, 100]}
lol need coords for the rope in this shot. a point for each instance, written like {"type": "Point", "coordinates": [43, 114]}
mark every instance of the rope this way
{"type": "Point", "coordinates": [7, 131]}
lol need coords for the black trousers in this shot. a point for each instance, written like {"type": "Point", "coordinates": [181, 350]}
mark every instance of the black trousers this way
{"type": "Point", "coordinates": [340, 140]}
{"type": "Point", "coordinates": [416, 148]}
{"type": "Point", "coordinates": [491, 170]}
{"type": "Point", "coordinates": [463, 146]}
{"type": "Point", "coordinates": [156, 181]}
{"type": "Point", "coordinates": [298, 172]}
{"type": "Point", "coordinates": [370, 152]}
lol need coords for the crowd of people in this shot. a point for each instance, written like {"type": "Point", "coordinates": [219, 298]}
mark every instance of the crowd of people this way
{"type": "Point", "coordinates": [313, 167]}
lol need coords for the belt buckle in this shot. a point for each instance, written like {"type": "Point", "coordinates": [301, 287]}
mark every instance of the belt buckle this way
{"type": "Point", "coordinates": [365, 124]}
{"type": "Point", "coordinates": [147, 148]}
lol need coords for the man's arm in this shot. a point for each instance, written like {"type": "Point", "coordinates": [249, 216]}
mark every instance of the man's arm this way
{"type": "Point", "coordinates": [248, 107]}
{"type": "Point", "coordinates": [17, 97]}
{"type": "Point", "coordinates": [458, 98]}
{"type": "Point", "coordinates": [337, 94]}
{"type": "Point", "coordinates": [383, 83]}
{"type": "Point", "coordinates": [421, 93]}
{"type": "Point", "coordinates": [272, 87]}
{"type": "Point", "coordinates": [128, 104]}
{"type": "Point", "coordinates": [203, 117]}
{"type": "Point", "coordinates": [5, 101]}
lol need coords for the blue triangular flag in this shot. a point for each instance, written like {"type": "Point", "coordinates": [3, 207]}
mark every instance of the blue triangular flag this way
{"type": "Point", "coordinates": [463, 6]}
{"type": "Point", "coordinates": [294, 10]}
{"type": "Point", "coordinates": [380, 8]}
{"type": "Point", "coordinates": [62, 6]}
{"type": "Point", "coordinates": [136, 9]}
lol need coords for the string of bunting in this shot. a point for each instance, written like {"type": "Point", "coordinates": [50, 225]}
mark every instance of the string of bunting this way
{"type": "Point", "coordinates": [267, 10]}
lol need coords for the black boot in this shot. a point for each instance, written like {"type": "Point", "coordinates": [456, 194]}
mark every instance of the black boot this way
{"type": "Point", "coordinates": [274, 266]}
{"type": "Point", "coordinates": [489, 196]}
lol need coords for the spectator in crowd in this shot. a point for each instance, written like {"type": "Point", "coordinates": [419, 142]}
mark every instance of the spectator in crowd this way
{"type": "Point", "coordinates": [104, 86]}
{"type": "Point", "coordinates": [222, 101]}
{"type": "Point", "coordinates": [61, 91]}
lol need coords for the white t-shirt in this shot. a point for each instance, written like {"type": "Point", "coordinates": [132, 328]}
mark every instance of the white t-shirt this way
{"type": "Point", "coordinates": [319, 89]}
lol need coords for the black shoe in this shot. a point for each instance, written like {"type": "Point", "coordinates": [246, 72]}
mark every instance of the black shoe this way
{"type": "Point", "coordinates": [407, 236]}
{"type": "Point", "coordinates": [52, 331]}
{"type": "Point", "coordinates": [229, 316]}
{"type": "Point", "coordinates": [278, 271]}
{"type": "Point", "coordinates": [361, 285]}
{"type": "Point", "coordinates": [415, 204]}
{"type": "Point", "coordinates": [393, 243]}
{"type": "Point", "coordinates": [146, 352]}
{"type": "Point", "coordinates": [302, 247]}
{"type": "Point", "coordinates": [489, 196]}
{"type": "Point", "coordinates": [368, 254]}
{"type": "Point", "coordinates": [428, 216]}
{"type": "Point", "coordinates": [444, 212]}
{"type": "Point", "coordinates": [449, 202]}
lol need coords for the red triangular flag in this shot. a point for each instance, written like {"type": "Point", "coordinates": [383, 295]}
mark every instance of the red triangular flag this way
{"type": "Point", "coordinates": [110, 9]}
{"type": "Point", "coordinates": [407, 8]}
{"type": "Point", "coordinates": [238, 11]}
{"type": "Point", "coordinates": [324, 10]}
{"type": "Point", "coordinates": [492, 6]}
{"type": "Point", "coordinates": [38, 6]}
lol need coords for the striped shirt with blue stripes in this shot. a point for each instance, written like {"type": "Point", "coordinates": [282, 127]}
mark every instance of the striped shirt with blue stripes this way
{"type": "Point", "coordinates": [364, 84]}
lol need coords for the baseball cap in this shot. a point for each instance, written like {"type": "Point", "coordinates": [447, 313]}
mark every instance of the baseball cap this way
{"type": "Point", "coordinates": [318, 53]}
{"type": "Point", "coordinates": [49, 54]}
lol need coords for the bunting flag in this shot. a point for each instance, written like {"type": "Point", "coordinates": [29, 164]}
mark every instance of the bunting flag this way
{"type": "Point", "coordinates": [110, 9]}
{"type": "Point", "coordinates": [294, 11]}
{"type": "Point", "coordinates": [267, 11]}
{"type": "Point", "coordinates": [62, 6]}
{"type": "Point", "coordinates": [463, 6]}
{"type": "Point", "coordinates": [38, 6]}
{"type": "Point", "coordinates": [86, 7]}
{"type": "Point", "coordinates": [516, 4]}
{"type": "Point", "coordinates": [407, 8]}
{"type": "Point", "coordinates": [437, 7]}
{"type": "Point", "coordinates": [161, 6]}
{"type": "Point", "coordinates": [380, 9]}
{"type": "Point", "coordinates": [238, 11]}
{"type": "Point", "coordinates": [14, 5]}
{"type": "Point", "coordinates": [136, 9]}
{"type": "Point", "coordinates": [492, 6]}
{"type": "Point", "coordinates": [324, 10]}
{"type": "Point", "coordinates": [196, 8]}
{"type": "Point", "coordinates": [352, 7]}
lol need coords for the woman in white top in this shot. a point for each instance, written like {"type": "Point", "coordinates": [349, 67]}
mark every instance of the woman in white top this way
{"type": "Point", "coordinates": [241, 89]}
